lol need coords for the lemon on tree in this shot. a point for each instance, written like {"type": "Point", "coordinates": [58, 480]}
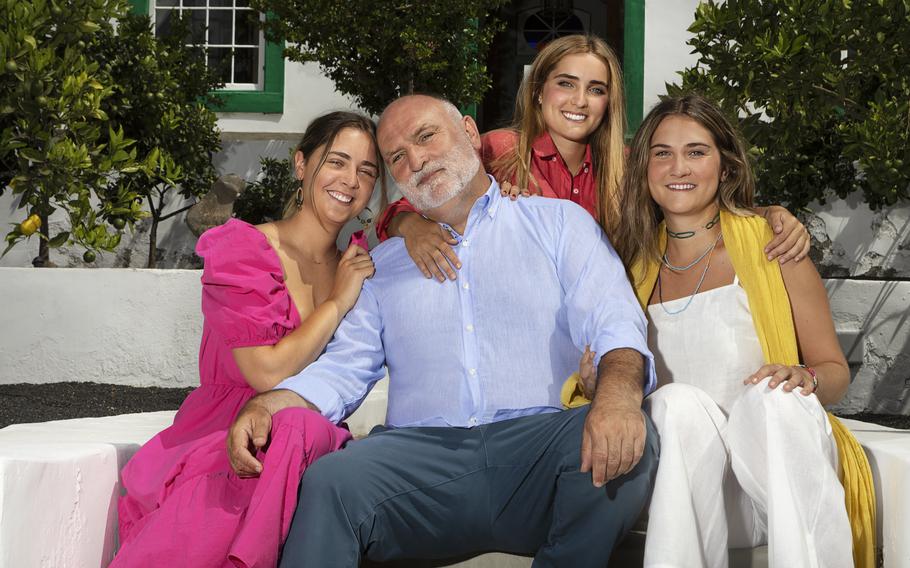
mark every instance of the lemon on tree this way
{"type": "Point", "coordinates": [30, 225]}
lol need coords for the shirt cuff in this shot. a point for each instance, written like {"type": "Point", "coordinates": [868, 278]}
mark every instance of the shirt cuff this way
{"type": "Point", "coordinates": [317, 393]}
{"type": "Point", "coordinates": [393, 209]}
{"type": "Point", "coordinates": [608, 342]}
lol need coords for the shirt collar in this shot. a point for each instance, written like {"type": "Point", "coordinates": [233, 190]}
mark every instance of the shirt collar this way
{"type": "Point", "coordinates": [487, 204]}
{"type": "Point", "coordinates": [545, 148]}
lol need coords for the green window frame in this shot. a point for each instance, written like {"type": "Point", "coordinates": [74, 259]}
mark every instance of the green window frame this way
{"type": "Point", "coordinates": [268, 100]}
{"type": "Point", "coordinates": [634, 61]}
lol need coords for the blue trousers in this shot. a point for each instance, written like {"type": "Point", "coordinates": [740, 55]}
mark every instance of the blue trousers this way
{"type": "Point", "coordinates": [433, 493]}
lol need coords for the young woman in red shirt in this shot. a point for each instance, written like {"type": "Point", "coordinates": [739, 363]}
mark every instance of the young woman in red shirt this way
{"type": "Point", "coordinates": [566, 141]}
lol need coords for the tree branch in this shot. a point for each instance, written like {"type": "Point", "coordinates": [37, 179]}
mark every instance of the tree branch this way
{"type": "Point", "coordinates": [177, 212]}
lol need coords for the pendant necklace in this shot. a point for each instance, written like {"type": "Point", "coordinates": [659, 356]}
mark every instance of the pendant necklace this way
{"type": "Point", "coordinates": [660, 295]}
{"type": "Point", "coordinates": [666, 260]}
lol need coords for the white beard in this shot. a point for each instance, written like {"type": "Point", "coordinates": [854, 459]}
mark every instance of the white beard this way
{"type": "Point", "coordinates": [458, 168]}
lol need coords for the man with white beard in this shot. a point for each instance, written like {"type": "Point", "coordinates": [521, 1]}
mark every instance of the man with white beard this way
{"type": "Point", "coordinates": [477, 453]}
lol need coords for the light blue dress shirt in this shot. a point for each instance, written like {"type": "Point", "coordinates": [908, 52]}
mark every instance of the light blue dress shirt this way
{"type": "Point", "coordinates": [538, 282]}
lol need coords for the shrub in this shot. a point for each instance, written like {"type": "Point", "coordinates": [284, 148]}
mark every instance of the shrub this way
{"type": "Point", "coordinates": [376, 51]}
{"type": "Point", "coordinates": [821, 90]}
{"type": "Point", "coordinates": [263, 200]}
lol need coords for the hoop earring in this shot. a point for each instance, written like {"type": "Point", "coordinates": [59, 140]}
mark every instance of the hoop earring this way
{"type": "Point", "coordinates": [298, 201]}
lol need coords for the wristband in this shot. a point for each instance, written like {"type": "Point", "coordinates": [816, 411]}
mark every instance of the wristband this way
{"type": "Point", "coordinates": [812, 374]}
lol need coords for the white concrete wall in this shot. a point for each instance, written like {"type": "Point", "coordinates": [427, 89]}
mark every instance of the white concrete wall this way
{"type": "Point", "coordinates": [142, 328]}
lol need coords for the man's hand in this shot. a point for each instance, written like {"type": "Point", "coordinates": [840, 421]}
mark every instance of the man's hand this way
{"type": "Point", "coordinates": [250, 431]}
{"type": "Point", "coordinates": [613, 441]}
{"type": "Point", "coordinates": [614, 436]}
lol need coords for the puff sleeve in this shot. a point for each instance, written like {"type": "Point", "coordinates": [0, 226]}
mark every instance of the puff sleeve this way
{"type": "Point", "coordinates": [244, 298]}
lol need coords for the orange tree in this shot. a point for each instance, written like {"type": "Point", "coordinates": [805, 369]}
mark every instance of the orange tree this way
{"type": "Point", "coordinates": [58, 149]}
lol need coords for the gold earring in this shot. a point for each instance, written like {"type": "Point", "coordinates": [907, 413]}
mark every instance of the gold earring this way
{"type": "Point", "coordinates": [298, 201]}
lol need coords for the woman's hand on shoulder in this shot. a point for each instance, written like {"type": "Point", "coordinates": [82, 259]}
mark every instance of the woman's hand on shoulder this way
{"type": "Point", "coordinates": [506, 189]}
{"type": "Point", "coordinates": [587, 375]}
{"type": "Point", "coordinates": [791, 238]}
{"type": "Point", "coordinates": [790, 376]}
{"type": "Point", "coordinates": [354, 267]}
{"type": "Point", "coordinates": [430, 247]}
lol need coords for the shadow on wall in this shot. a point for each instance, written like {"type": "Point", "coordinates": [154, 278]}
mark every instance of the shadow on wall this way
{"type": "Point", "coordinates": [848, 239]}
{"type": "Point", "coordinates": [875, 314]}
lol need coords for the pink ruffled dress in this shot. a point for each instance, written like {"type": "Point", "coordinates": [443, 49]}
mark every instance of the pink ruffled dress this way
{"type": "Point", "coordinates": [184, 506]}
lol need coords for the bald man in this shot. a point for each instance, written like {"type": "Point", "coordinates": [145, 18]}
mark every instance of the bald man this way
{"type": "Point", "coordinates": [477, 453]}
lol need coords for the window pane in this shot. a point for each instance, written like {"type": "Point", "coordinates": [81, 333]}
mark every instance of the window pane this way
{"type": "Point", "coordinates": [160, 3]}
{"type": "Point", "coordinates": [197, 25]}
{"type": "Point", "coordinates": [220, 63]}
{"type": "Point", "coordinates": [163, 22]}
{"type": "Point", "coordinates": [194, 2]}
{"type": "Point", "coordinates": [220, 22]}
{"type": "Point", "coordinates": [221, 3]}
{"type": "Point", "coordinates": [247, 32]}
{"type": "Point", "coordinates": [246, 63]}
{"type": "Point", "coordinates": [242, 3]}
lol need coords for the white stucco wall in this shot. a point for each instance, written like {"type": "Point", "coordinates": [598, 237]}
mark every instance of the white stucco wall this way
{"type": "Point", "coordinates": [307, 94]}
{"type": "Point", "coordinates": [666, 52]}
{"type": "Point", "coordinates": [142, 328]}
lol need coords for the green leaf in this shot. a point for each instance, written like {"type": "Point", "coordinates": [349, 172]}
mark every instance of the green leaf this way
{"type": "Point", "coordinates": [59, 239]}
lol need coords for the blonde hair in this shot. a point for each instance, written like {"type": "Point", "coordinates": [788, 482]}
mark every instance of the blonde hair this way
{"type": "Point", "coordinates": [637, 232]}
{"type": "Point", "coordinates": [606, 141]}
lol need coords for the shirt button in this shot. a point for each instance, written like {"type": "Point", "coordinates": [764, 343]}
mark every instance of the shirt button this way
{"type": "Point", "coordinates": [472, 421]}
{"type": "Point", "coordinates": [465, 242]}
{"type": "Point", "coordinates": [472, 372]}
{"type": "Point", "coordinates": [575, 190]}
{"type": "Point", "coordinates": [466, 286]}
{"type": "Point", "coordinates": [469, 327]}
{"type": "Point", "coordinates": [586, 169]}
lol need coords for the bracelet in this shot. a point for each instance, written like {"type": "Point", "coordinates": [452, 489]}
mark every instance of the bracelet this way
{"type": "Point", "coordinates": [812, 374]}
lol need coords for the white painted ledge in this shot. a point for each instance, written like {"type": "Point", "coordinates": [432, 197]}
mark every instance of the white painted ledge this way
{"type": "Point", "coordinates": [888, 451]}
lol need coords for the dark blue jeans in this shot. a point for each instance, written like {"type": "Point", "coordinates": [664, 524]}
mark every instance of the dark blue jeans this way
{"type": "Point", "coordinates": [512, 486]}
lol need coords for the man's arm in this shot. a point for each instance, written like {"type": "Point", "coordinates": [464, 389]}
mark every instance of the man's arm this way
{"type": "Point", "coordinates": [250, 430]}
{"type": "Point", "coordinates": [333, 385]}
{"type": "Point", "coordinates": [604, 313]}
{"type": "Point", "coordinates": [614, 434]}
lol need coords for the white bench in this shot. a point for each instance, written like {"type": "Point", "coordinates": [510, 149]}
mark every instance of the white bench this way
{"type": "Point", "coordinates": [59, 483]}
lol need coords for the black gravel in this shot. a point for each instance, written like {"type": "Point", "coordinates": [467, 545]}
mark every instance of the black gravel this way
{"type": "Point", "coordinates": [22, 403]}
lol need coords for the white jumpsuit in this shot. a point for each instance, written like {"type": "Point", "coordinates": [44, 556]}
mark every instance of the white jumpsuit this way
{"type": "Point", "coordinates": [740, 466]}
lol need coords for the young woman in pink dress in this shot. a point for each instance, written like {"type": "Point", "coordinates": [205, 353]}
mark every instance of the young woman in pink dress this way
{"type": "Point", "coordinates": [272, 296]}
{"type": "Point", "coordinates": [566, 141]}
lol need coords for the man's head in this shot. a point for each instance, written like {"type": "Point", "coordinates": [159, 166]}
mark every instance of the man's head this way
{"type": "Point", "coordinates": [430, 149]}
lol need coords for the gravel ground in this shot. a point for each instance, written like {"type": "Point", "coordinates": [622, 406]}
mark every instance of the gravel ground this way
{"type": "Point", "coordinates": [22, 403]}
{"type": "Point", "coordinates": [58, 401]}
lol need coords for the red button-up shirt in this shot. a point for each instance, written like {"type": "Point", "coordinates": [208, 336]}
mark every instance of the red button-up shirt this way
{"type": "Point", "coordinates": [547, 166]}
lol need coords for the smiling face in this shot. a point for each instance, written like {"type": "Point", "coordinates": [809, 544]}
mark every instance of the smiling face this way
{"type": "Point", "coordinates": [684, 168]}
{"type": "Point", "coordinates": [430, 150]}
{"type": "Point", "coordinates": [573, 100]}
{"type": "Point", "coordinates": [344, 183]}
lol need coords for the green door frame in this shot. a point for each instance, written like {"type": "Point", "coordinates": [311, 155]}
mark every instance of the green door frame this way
{"type": "Point", "coordinates": [634, 61]}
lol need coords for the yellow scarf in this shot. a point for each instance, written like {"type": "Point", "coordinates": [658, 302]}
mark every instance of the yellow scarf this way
{"type": "Point", "coordinates": [744, 238]}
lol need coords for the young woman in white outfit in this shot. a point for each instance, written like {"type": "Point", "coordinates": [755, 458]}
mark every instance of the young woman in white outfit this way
{"type": "Point", "coordinates": [747, 454]}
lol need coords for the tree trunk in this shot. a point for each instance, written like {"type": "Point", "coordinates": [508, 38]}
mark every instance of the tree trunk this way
{"type": "Point", "coordinates": [44, 252]}
{"type": "Point", "coordinates": [153, 243]}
